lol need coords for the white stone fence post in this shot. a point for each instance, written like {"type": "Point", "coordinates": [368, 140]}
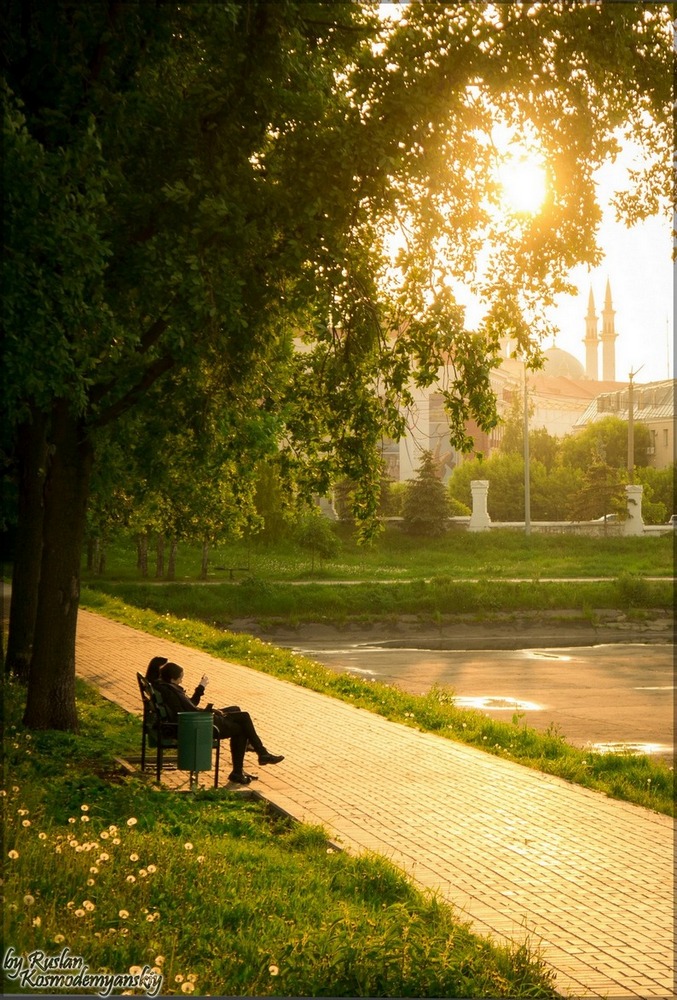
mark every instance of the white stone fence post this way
{"type": "Point", "coordinates": [479, 519]}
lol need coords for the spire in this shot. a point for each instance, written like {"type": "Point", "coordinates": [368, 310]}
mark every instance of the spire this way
{"type": "Point", "coordinates": [591, 340]}
{"type": "Point", "coordinates": [608, 337]}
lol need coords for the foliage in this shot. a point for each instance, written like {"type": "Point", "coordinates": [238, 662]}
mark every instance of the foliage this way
{"type": "Point", "coordinates": [659, 489]}
{"type": "Point", "coordinates": [97, 860]}
{"type": "Point", "coordinates": [605, 441]}
{"type": "Point", "coordinates": [314, 532]}
{"type": "Point", "coordinates": [425, 507]}
{"type": "Point", "coordinates": [601, 492]}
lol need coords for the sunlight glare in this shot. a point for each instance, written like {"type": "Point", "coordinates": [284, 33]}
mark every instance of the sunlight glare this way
{"type": "Point", "coordinates": [522, 183]}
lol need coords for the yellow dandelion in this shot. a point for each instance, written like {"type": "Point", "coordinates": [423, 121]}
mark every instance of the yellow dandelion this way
{"type": "Point", "coordinates": [131, 878]}
{"type": "Point", "coordinates": [157, 970]}
{"type": "Point", "coordinates": [188, 846]}
{"type": "Point", "coordinates": [58, 939]}
{"type": "Point", "coordinates": [15, 788]}
{"type": "Point", "coordinates": [84, 808]}
{"type": "Point", "coordinates": [151, 869]}
{"type": "Point", "coordinates": [123, 914]}
{"type": "Point", "coordinates": [178, 978]}
{"type": "Point", "coordinates": [94, 870]}
{"type": "Point", "coordinates": [3, 793]}
{"type": "Point", "coordinates": [133, 857]}
{"type": "Point", "coordinates": [156, 916]}
{"type": "Point", "coordinates": [149, 918]}
{"type": "Point", "coordinates": [22, 812]}
{"type": "Point", "coordinates": [79, 912]}
{"type": "Point", "coordinates": [113, 828]}
{"type": "Point", "coordinates": [142, 873]}
{"type": "Point", "coordinates": [124, 931]}
{"type": "Point", "coordinates": [28, 899]}
{"type": "Point", "coordinates": [90, 881]}
{"type": "Point", "coordinates": [73, 843]}
{"type": "Point", "coordinates": [104, 834]}
{"type": "Point", "coordinates": [273, 970]}
{"type": "Point", "coordinates": [89, 905]}
{"type": "Point", "coordinates": [13, 855]}
{"type": "Point", "coordinates": [116, 840]}
{"type": "Point", "coordinates": [191, 977]}
{"type": "Point", "coordinates": [135, 970]}
{"type": "Point", "coordinates": [104, 857]}
{"type": "Point", "coordinates": [84, 819]}
{"type": "Point", "coordinates": [187, 987]}
{"type": "Point", "coordinates": [37, 922]}
{"type": "Point", "coordinates": [42, 836]}
{"type": "Point", "coordinates": [159, 959]}
{"type": "Point", "coordinates": [71, 819]}
{"type": "Point", "coordinates": [200, 858]}
{"type": "Point", "coordinates": [70, 904]}
{"type": "Point", "coordinates": [132, 821]}
{"type": "Point", "coordinates": [25, 822]}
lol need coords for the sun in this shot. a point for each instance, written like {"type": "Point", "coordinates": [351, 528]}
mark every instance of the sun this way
{"type": "Point", "coordinates": [521, 181]}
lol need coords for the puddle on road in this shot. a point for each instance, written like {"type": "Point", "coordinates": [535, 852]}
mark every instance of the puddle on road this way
{"type": "Point", "coordinates": [497, 703]}
{"type": "Point", "coordinates": [630, 748]}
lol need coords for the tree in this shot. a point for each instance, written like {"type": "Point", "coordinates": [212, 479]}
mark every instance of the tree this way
{"type": "Point", "coordinates": [314, 532]}
{"type": "Point", "coordinates": [425, 508]}
{"type": "Point", "coordinates": [605, 440]}
{"type": "Point", "coordinates": [601, 492]}
{"type": "Point", "coordinates": [188, 186]}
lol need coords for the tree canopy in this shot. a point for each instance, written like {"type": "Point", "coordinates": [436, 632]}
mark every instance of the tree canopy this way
{"type": "Point", "coordinates": [190, 189]}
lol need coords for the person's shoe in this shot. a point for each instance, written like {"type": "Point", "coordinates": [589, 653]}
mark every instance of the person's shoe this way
{"type": "Point", "coordinates": [239, 778]}
{"type": "Point", "coordinates": [270, 758]}
{"type": "Point", "coordinates": [252, 777]}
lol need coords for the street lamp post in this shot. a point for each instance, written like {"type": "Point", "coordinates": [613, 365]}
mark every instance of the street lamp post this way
{"type": "Point", "coordinates": [631, 427]}
{"type": "Point", "coordinates": [527, 482]}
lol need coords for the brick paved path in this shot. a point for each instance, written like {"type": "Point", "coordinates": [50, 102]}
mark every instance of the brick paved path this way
{"type": "Point", "coordinates": [520, 854]}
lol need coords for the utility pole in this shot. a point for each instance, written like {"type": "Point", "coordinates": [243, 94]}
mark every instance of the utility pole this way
{"type": "Point", "coordinates": [527, 482]}
{"type": "Point", "coordinates": [631, 427]}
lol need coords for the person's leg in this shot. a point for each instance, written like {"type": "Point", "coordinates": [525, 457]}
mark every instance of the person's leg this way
{"type": "Point", "coordinates": [244, 720]}
{"type": "Point", "coordinates": [230, 729]}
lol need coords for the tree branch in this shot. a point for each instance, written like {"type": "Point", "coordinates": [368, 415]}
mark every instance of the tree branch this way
{"type": "Point", "coordinates": [126, 402]}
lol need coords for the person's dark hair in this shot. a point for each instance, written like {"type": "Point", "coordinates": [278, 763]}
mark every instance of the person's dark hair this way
{"type": "Point", "coordinates": [153, 668]}
{"type": "Point", "coordinates": [171, 672]}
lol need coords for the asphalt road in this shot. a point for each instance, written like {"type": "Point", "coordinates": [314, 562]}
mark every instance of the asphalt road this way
{"type": "Point", "coordinates": [596, 695]}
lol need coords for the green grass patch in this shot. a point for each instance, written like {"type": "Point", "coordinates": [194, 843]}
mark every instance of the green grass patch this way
{"type": "Point", "coordinates": [635, 778]}
{"type": "Point", "coordinates": [459, 554]}
{"type": "Point", "coordinates": [213, 891]}
{"type": "Point", "coordinates": [430, 600]}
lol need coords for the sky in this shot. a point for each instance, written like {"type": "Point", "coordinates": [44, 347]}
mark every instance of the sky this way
{"type": "Point", "coordinates": [638, 264]}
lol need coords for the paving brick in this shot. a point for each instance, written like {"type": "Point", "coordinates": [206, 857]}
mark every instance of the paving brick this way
{"type": "Point", "coordinates": [522, 855]}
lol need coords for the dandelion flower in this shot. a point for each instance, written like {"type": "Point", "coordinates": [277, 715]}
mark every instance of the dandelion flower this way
{"type": "Point", "coordinates": [3, 793]}
{"type": "Point", "coordinates": [151, 869]}
{"type": "Point", "coordinates": [133, 857]}
{"type": "Point", "coordinates": [123, 914]}
{"type": "Point", "coordinates": [58, 939]}
{"type": "Point", "coordinates": [42, 836]}
{"type": "Point", "coordinates": [29, 900]}
{"type": "Point", "coordinates": [200, 858]}
{"type": "Point", "coordinates": [73, 843]}
{"type": "Point", "coordinates": [104, 834]}
{"type": "Point", "coordinates": [88, 905]}
{"type": "Point", "coordinates": [79, 912]}
{"type": "Point", "coordinates": [104, 857]}
{"type": "Point", "coordinates": [84, 808]}
{"type": "Point", "coordinates": [15, 788]}
{"type": "Point", "coordinates": [159, 959]}
{"type": "Point", "coordinates": [149, 918]}
{"type": "Point", "coordinates": [25, 822]}
{"type": "Point", "coordinates": [191, 977]}
{"type": "Point", "coordinates": [94, 870]}
{"type": "Point", "coordinates": [71, 819]}
{"type": "Point", "coordinates": [22, 812]}
{"type": "Point", "coordinates": [13, 855]}
{"type": "Point", "coordinates": [188, 846]}
{"type": "Point", "coordinates": [187, 987]}
{"type": "Point", "coordinates": [131, 878]}
{"type": "Point", "coordinates": [132, 821]}
{"type": "Point", "coordinates": [330, 850]}
{"type": "Point", "coordinates": [70, 904]}
{"type": "Point", "coordinates": [142, 873]}
{"type": "Point", "coordinates": [135, 970]}
{"type": "Point", "coordinates": [113, 828]}
{"type": "Point", "coordinates": [178, 978]}
{"type": "Point", "coordinates": [156, 916]}
{"type": "Point", "coordinates": [273, 970]}
{"type": "Point", "coordinates": [90, 881]}
{"type": "Point", "coordinates": [37, 921]}
{"type": "Point", "coordinates": [124, 931]}
{"type": "Point", "coordinates": [116, 840]}
{"type": "Point", "coordinates": [84, 819]}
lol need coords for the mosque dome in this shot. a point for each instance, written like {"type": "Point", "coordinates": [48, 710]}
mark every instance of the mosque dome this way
{"type": "Point", "coordinates": [560, 364]}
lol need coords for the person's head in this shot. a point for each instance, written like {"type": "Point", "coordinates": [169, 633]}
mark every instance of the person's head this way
{"type": "Point", "coordinates": [153, 669]}
{"type": "Point", "coordinates": [171, 673]}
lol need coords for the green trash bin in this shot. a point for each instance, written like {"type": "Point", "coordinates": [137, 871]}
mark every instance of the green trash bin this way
{"type": "Point", "coordinates": [195, 741]}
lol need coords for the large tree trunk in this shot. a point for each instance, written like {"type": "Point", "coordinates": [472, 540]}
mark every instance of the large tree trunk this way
{"type": "Point", "coordinates": [205, 559]}
{"type": "Point", "coordinates": [160, 558]}
{"type": "Point", "coordinates": [32, 460]}
{"type": "Point", "coordinates": [51, 687]}
{"type": "Point", "coordinates": [171, 562]}
{"type": "Point", "coordinates": [142, 554]}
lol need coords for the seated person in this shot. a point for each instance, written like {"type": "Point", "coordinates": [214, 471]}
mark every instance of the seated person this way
{"type": "Point", "coordinates": [235, 726]}
{"type": "Point", "coordinates": [153, 676]}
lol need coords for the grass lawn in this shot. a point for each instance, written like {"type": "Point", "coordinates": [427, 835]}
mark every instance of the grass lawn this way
{"type": "Point", "coordinates": [212, 891]}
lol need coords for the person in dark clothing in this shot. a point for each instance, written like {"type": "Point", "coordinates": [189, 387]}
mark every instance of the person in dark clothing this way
{"type": "Point", "coordinates": [235, 726]}
{"type": "Point", "coordinates": [153, 676]}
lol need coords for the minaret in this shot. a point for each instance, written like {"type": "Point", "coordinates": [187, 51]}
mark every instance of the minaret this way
{"type": "Point", "coordinates": [591, 342]}
{"type": "Point", "coordinates": [608, 336]}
